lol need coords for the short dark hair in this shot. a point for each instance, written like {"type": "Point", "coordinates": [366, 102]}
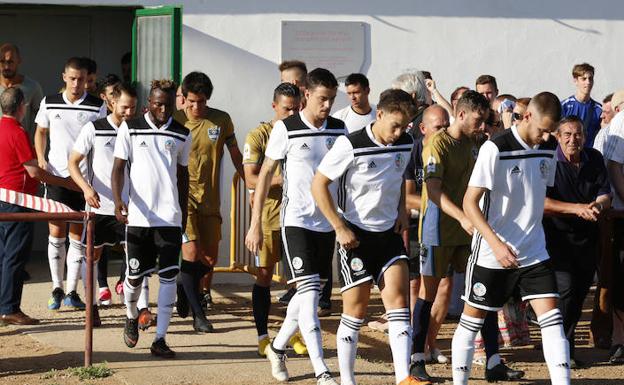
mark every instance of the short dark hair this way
{"type": "Point", "coordinates": [487, 79]}
{"type": "Point", "coordinates": [457, 91]}
{"type": "Point", "coordinates": [427, 75]}
{"type": "Point", "coordinates": [547, 104]}
{"type": "Point", "coordinates": [288, 64]}
{"type": "Point", "coordinates": [357, 78]}
{"type": "Point", "coordinates": [502, 97]}
{"type": "Point", "coordinates": [571, 119]}
{"type": "Point", "coordinates": [320, 77]}
{"type": "Point", "coordinates": [108, 81]}
{"type": "Point", "coordinates": [123, 88]}
{"type": "Point", "coordinates": [473, 101]}
{"type": "Point", "coordinates": [581, 69]}
{"type": "Point", "coordinates": [76, 63]}
{"type": "Point", "coordinates": [165, 85]}
{"type": "Point", "coordinates": [9, 47]}
{"type": "Point", "coordinates": [197, 83]}
{"type": "Point", "coordinates": [286, 89]}
{"type": "Point", "coordinates": [607, 98]}
{"type": "Point", "coordinates": [10, 100]}
{"type": "Point", "coordinates": [397, 100]}
{"type": "Point", "coordinates": [90, 65]}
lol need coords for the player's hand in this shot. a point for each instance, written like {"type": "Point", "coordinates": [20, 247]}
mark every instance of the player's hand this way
{"type": "Point", "coordinates": [507, 118]}
{"type": "Point", "coordinates": [505, 255]}
{"type": "Point", "coordinates": [254, 238]}
{"type": "Point", "coordinates": [596, 207]}
{"type": "Point", "coordinates": [467, 225]}
{"type": "Point", "coordinates": [121, 212]}
{"type": "Point", "coordinates": [402, 223]}
{"type": "Point", "coordinates": [43, 164]}
{"type": "Point", "coordinates": [587, 212]}
{"type": "Point", "coordinates": [92, 198]}
{"type": "Point", "coordinates": [430, 84]}
{"type": "Point", "coordinates": [346, 238]}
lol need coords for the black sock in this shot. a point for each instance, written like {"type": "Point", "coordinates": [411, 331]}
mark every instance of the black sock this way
{"type": "Point", "coordinates": [188, 276]}
{"type": "Point", "coordinates": [261, 304]}
{"type": "Point", "coordinates": [420, 324]}
{"type": "Point", "coordinates": [489, 331]}
{"type": "Point", "coordinates": [102, 272]}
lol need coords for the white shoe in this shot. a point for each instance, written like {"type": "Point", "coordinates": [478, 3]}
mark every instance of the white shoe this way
{"type": "Point", "coordinates": [326, 379]}
{"type": "Point", "coordinates": [278, 364]}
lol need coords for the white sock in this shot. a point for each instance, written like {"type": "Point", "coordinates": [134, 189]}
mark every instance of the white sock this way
{"type": "Point", "coordinates": [346, 343]}
{"type": "Point", "coordinates": [166, 299]}
{"type": "Point", "coordinates": [290, 324]}
{"type": "Point", "coordinates": [143, 302]}
{"type": "Point", "coordinates": [75, 255]}
{"type": "Point", "coordinates": [462, 347]}
{"type": "Point", "coordinates": [309, 324]}
{"type": "Point", "coordinates": [400, 333]}
{"type": "Point", "coordinates": [131, 294]}
{"type": "Point", "coordinates": [56, 259]}
{"type": "Point", "coordinates": [555, 346]}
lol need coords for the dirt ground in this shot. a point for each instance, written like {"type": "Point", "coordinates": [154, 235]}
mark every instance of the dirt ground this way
{"type": "Point", "coordinates": [25, 360]}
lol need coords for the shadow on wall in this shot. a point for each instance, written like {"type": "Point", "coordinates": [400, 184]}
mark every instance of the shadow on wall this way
{"type": "Point", "coordinates": [530, 9]}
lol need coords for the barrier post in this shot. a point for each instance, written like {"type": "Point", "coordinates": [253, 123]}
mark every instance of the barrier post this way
{"type": "Point", "coordinates": [88, 355]}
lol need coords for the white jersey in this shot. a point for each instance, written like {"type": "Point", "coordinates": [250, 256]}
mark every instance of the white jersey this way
{"type": "Point", "coordinates": [613, 148]}
{"type": "Point", "coordinates": [153, 155]}
{"type": "Point", "coordinates": [516, 177]}
{"type": "Point", "coordinates": [354, 121]}
{"type": "Point", "coordinates": [301, 147]}
{"type": "Point", "coordinates": [64, 120]}
{"type": "Point", "coordinates": [370, 188]}
{"type": "Point", "coordinates": [97, 143]}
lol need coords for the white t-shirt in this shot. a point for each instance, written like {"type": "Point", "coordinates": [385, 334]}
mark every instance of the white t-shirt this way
{"type": "Point", "coordinates": [516, 176]}
{"type": "Point", "coordinates": [96, 141]}
{"type": "Point", "coordinates": [301, 147]}
{"type": "Point", "coordinates": [153, 155]}
{"type": "Point", "coordinates": [64, 120]}
{"type": "Point", "coordinates": [354, 121]}
{"type": "Point", "coordinates": [614, 150]}
{"type": "Point", "coordinates": [372, 174]}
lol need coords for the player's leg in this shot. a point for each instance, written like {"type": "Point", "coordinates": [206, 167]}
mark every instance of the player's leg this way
{"type": "Point", "coordinates": [210, 258]}
{"type": "Point", "coordinates": [168, 242]}
{"type": "Point", "coordinates": [266, 259]}
{"type": "Point", "coordinates": [438, 314]}
{"type": "Point", "coordinates": [191, 271]}
{"type": "Point", "coordinates": [56, 259]}
{"type": "Point", "coordinates": [354, 304]}
{"type": "Point", "coordinates": [104, 294]}
{"type": "Point", "coordinates": [75, 257]}
{"type": "Point", "coordinates": [462, 346]}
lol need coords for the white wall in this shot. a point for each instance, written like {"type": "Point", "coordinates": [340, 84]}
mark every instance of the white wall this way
{"type": "Point", "coordinates": [529, 46]}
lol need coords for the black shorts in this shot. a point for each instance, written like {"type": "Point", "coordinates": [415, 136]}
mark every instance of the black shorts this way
{"type": "Point", "coordinates": [414, 252]}
{"type": "Point", "coordinates": [308, 252]}
{"type": "Point", "coordinates": [489, 289]}
{"type": "Point", "coordinates": [108, 231]}
{"type": "Point", "coordinates": [376, 252]}
{"type": "Point", "coordinates": [145, 244]}
{"type": "Point", "coordinates": [70, 198]}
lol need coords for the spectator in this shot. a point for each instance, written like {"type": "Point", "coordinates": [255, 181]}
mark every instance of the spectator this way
{"type": "Point", "coordinates": [605, 120]}
{"type": "Point", "coordinates": [486, 86]}
{"type": "Point", "coordinates": [10, 60]}
{"type": "Point", "coordinates": [581, 192]}
{"type": "Point", "coordinates": [18, 171]}
{"type": "Point", "coordinates": [581, 104]}
{"type": "Point", "coordinates": [361, 112]}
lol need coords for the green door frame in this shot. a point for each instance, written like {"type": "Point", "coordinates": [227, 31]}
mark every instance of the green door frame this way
{"type": "Point", "coordinates": [175, 11]}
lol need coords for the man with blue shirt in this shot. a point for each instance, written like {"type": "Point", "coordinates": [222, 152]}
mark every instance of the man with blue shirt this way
{"type": "Point", "coordinates": [581, 104]}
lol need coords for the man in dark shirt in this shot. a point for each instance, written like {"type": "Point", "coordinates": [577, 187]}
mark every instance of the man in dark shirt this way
{"type": "Point", "coordinates": [580, 193]}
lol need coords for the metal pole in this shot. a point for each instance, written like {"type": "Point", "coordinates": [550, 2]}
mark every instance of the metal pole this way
{"type": "Point", "coordinates": [89, 297]}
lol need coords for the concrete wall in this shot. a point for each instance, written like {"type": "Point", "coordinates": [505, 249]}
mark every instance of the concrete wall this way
{"type": "Point", "coordinates": [529, 46]}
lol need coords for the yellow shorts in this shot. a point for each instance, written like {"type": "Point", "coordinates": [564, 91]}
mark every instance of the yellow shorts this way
{"type": "Point", "coordinates": [271, 251]}
{"type": "Point", "coordinates": [436, 260]}
{"type": "Point", "coordinates": [204, 229]}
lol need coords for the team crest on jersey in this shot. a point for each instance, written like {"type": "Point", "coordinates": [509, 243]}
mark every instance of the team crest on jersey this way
{"type": "Point", "coordinates": [329, 142]}
{"type": "Point", "coordinates": [356, 265]}
{"type": "Point", "coordinates": [246, 152]}
{"type": "Point", "coordinates": [82, 117]}
{"type": "Point", "coordinates": [398, 160]}
{"type": "Point", "coordinates": [543, 166]}
{"type": "Point", "coordinates": [431, 164]}
{"type": "Point", "coordinates": [170, 145]}
{"type": "Point", "coordinates": [475, 152]}
{"type": "Point", "coordinates": [213, 133]}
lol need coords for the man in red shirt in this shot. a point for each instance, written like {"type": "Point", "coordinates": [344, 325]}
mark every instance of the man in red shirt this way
{"type": "Point", "coordinates": [18, 172]}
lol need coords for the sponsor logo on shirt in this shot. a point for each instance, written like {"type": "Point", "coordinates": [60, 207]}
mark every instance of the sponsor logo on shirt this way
{"type": "Point", "coordinates": [143, 144]}
{"type": "Point", "coordinates": [108, 144]}
{"type": "Point", "coordinates": [329, 142]}
{"type": "Point", "coordinates": [515, 170]}
{"type": "Point", "coordinates": [57, 116]}
{"type": "Point", "coordinates": [372, 164]}
{"type": "Point", "coordinates": [304, 147]}
{"type": "Point", "coordinates": [213, 133]}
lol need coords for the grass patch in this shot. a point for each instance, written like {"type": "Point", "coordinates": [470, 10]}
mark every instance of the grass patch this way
{"type": "Point", "coordinates": [91, 372]}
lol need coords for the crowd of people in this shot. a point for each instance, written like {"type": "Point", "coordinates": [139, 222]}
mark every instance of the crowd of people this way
{"type": "Point", "coordinates": [404, 194]}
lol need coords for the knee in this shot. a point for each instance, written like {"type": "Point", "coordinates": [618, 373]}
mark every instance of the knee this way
{"type": "Point", "coordinates": [134, 282]}
{"type": "Point", "coordinates": [263, 277]}
{"type": "Point", "coordinates": [168, 274]}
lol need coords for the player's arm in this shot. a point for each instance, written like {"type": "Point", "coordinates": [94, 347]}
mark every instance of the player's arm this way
{"type": "Point", "coordinates": [437, 96]}
{"type": "Point", "coordinates": [402, 222]}
{"type": "Point", "coordinates": [183, 190]}
{"type": "Point", "coordinates": [235, 155]}
{"type": "Point", "coordinates": [252, 172]}
{"type": "Point", "coordinates": [586, 211]}
{"type": "Point", "coordinates": [117, 184]}
{"type": "Point", "coordinates": [73, 164]}
{"type": "Point", "coordinates": [504, 254]}
{"type": "Point", "coordinates": [253, 240]}
{"type": "Point", "coordinates": [442, 200]}
{"type": "Point", "coordinates": [36, 172]}
{"type": "Point", "coordinates": [412, 197]}
{"type": "Point", "coordinates": [41, 143]}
